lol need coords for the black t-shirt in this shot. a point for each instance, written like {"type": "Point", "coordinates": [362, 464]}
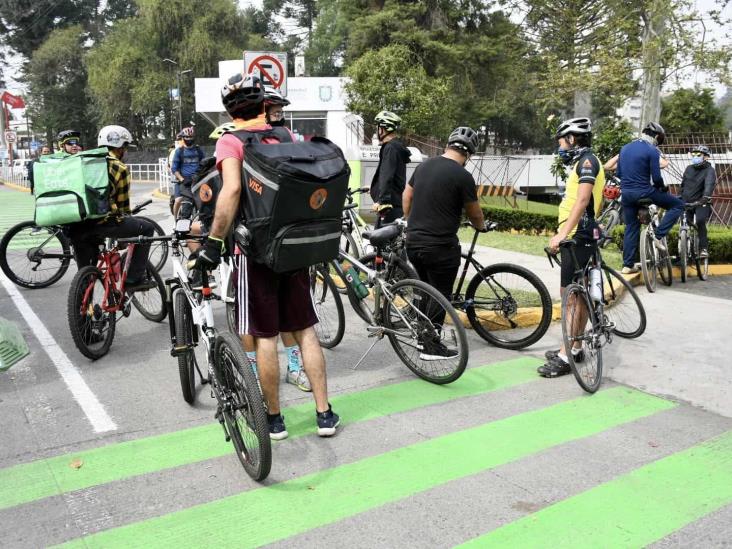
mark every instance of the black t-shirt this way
{"type": "Point", "coordinates": [442, 187]}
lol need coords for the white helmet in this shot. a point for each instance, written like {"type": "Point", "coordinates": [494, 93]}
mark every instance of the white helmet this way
{"type": "Point", "coordinates": [114, 136]}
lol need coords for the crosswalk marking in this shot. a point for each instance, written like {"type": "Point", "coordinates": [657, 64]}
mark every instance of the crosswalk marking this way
{"type": "Point", "coordinates": [650, 503]}
{"type": "Point", "coordinates": [254, 518]}
{"type": "Point", "coordinates": [43, 478]}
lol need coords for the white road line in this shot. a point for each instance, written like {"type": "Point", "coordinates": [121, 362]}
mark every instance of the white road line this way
{"type": "Point", "coordinates": [90, 405]}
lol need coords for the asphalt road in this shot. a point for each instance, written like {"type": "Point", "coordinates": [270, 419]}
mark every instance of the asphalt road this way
{"type": "Point", "coordinates": [501, 456]}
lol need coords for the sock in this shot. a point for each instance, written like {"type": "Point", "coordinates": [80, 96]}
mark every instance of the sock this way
{"type": "Point", "coordinates": [563, 357]}
{"type": "Point", "coordinates": [293, 358]}
{"type": "Point", "coordinates": [252, 356]}
{"type": "Point", "coordinates": [575, 352]}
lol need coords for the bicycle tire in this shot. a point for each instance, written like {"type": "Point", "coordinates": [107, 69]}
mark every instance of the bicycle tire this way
{"type": "Point", "coordinates": [609, 219]}
{"type": "Point", "coordinates": [702, 265]}
{"type": "Point", "coordinates": [614, 297]}
{"type": "Point", "coordinates": [243, 400]}
{"type": "Point", "coordinates": [508, 307]}
{"type": "Point", "coordinates": [85, 330]}
{"type": "Point", "coordinates": [231, 303]}
{"type": "Point", "coordinates": [587, 379]}
{"type": "Point", "coordinates": [683, 254]}
{"type": "Point", "coordinates": [147, 302]}
{"type": "Point", "coordinates": [351, 248]}
{"type": "Point", "coordinates": [57, 268]}
{"type": "Point", "coordinates": [420, 323]}
{"type": "Point", "coordinates": [158, 255]}
{"type": "Point", "coordinates": [665, 269]}
{"type": "Point", "coordinates": [321, 287]}
{"type": "Point", "coordinates": [184, 335]}
{"type": "Point", "coordinates": [648, 262]}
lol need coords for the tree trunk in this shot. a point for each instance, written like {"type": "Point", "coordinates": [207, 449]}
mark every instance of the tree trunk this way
{"type": "Point", "coordinates": [655, 25]}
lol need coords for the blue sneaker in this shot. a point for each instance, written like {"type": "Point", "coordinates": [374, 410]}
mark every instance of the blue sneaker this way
{"type": "Point", "coordinates": [277, 429]}
{"type": "Point", "coordinates": [327, 422]}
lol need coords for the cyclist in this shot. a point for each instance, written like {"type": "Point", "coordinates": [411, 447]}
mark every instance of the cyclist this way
{"type": "Point", "coordinates": [118, 223]}
{"type": "Point", "coordinates": [434, 200]}
{"type": "Point", "coordinates": [577, 213]}
{"type": "Point", "coordinates": [698, 184]}
{"type": "Point", "coordinates": [44, 151]}
{"type": "Point", "coordinates": [638, 166]}
{"type": "Point", "coordinates": [186, 160]}
{"type": "Point", "coordinates": [387, 185]}
{"type": "Point", "coordinates": [69, 141]}
{"type": "Point", "coordinates": [274, 102]}
{"type": "Point", "coordinates": [269, 303]}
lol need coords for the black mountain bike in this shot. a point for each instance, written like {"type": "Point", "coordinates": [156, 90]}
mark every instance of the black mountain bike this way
{"type": "Point", "coordinates": [689, 244]}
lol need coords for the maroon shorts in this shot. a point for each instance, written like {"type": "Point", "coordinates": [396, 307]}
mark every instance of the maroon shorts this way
{"type": "Point", "coordinates": [268, 303]}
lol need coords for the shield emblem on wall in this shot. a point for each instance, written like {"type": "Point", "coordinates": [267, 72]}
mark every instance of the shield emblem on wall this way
{"type": "Point", "coordinates": [326, 93]}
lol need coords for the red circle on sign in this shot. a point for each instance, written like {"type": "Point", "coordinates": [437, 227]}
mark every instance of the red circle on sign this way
{"type": "Point", "coordinates": [263, 72]}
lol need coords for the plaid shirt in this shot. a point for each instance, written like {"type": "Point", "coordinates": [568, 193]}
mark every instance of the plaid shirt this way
{"type": "Point", "coordinates": [119, 187]}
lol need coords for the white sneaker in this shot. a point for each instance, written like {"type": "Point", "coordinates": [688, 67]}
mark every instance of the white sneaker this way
{"type": "Point", "coordinates": [299, 379]}
{"type": "Point", "coordinates": [630, 270]}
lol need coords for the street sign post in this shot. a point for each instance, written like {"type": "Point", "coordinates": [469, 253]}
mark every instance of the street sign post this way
{"type": "Point", "coordinates": [271, 67]}
{"type": "Point", "coordinates": [10, 136]}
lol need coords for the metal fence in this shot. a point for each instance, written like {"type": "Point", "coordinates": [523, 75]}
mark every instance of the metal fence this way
{"type": "Point", "coordinates": [15, 175]}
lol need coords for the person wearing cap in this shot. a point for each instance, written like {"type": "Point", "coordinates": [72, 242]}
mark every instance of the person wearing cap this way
{"type": "Point", "coordinates": [438, 192]}
{"type": "Point", "coordinates": [388, 182]}
{"type": "Point", "coordinates": [186, 160]}
{"type": "Point", "coordinates": [69, 141]}
{"type": "Point", "coordinates": [578, 212]}
{"type": "Point", "coordinates": [697, 185]}
{"type": "Point", "coordinates": [640, 176]}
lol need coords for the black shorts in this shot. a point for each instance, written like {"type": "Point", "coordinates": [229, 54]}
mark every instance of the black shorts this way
{"type": "Point", "coordinates": [583, 250]}
{"type": "Point", "coordinates": [268, 303]}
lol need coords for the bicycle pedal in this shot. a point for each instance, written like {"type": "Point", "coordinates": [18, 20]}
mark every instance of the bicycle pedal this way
{"type": "Point", "coordinates": [127, 310]}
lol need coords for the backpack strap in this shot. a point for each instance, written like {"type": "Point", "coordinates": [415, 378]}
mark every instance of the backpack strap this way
{"type": "Point", "coordinates": [247, 137]}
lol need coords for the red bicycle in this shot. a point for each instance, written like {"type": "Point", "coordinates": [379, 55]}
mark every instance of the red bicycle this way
{"type": "Point", "coordinates": [98, 293]}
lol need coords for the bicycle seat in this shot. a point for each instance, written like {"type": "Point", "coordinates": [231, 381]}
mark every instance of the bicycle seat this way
{"type": "Point", "coordinates": [568, 243]}
{"type": "Point", "coordinates": [384, 235]}
{"type": "Point", "coordinates": [644, 202]}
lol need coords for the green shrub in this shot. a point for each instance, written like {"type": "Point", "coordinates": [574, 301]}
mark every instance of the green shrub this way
{"type": "Point", "coordinates": [521, 220]}
{"type": "Point", "coordinates": [720, 242]}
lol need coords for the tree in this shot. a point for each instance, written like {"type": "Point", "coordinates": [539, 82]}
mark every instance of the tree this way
{"type": "Point", "coordinates": [609, 137]}
{"type": "Point", "coordinates": [688, 111]}
{"type": "Point", "coordinates": [56, 77]}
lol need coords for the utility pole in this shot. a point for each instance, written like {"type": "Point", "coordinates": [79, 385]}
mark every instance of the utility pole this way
{"type": "Point", "coordinates": [179, 73]}
{"type": "Point", "coordinates": [654, 20]}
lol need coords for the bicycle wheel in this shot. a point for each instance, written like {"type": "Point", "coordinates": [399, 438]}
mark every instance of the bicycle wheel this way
{"type": "Point", "coordinates": [184, 335]}
{"type": "Point", "coordinates": [348, 245]}
{"type": "Point", "coordinates": [92, 329]}
{"type": "Point", "coordinates": [683, 254]}
{"type": "Point", "coordinates": [579, 326]}
{"type": "Point", "coordinates": [158, 255]}
{"type": "Point", "coordinates": [425, 331]}
{"type": "Point", "coordinates": [648, 260]}
{"type": "Point", "coordinates": [608, 220]}
{"type": "Point", "coordinates": [242, 406]}
{"type": "Point", "coordinates": [508, 306]}
{"type": "Point", "coordinates": [665, 269]}
{"type": "Point", "coordinates": [34, 257]}
{"type": "Point", "coordinates": [151, 303]}
{"type": "Point", "coordinates": [231, 302]}
{"type": "Point", "coordinates": [622, 305]}
{"type": "Point", "coordinates": [702, 265]}
{"type": "Point", "coordinates": [328, 307]}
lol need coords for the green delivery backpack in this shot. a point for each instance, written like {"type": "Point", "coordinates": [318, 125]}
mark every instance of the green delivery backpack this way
{"type": "Point", "coordinates": [71, 188]}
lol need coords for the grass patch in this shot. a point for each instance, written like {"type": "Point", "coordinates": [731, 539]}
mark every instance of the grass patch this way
{"type": "Point", "coordinates": [530, 244]}
{"type": "Point", "coordinates": [522, 205]}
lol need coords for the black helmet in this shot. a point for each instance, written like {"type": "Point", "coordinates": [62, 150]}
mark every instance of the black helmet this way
{"type": "Point", "coordinates": [241, 92]}
{"type": "Point", "coordinates": [274, 97]}
{"type": "Point", "coordinates": [67, 135]}
{"type": "Point", "coordinates": [464, 138]}
{"type": "Point", "coordinates": [702, 149]}
{"type": "Point", "coordinates": [654, 129]}
{"type": "Point", "coordinates": [574, 126]}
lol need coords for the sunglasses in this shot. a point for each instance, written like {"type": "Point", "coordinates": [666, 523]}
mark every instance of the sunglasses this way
{"type": "Point", "coordinates": [696, 154]}
{"type": "Point", "coordinates": [72, 142]}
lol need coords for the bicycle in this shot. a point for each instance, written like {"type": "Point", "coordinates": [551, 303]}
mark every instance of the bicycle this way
{"type": "Point", "coordinates": [503, 300]}
{"type": "Point", "coordinates": [689, 244]}
{"type": "Point", "coordinates": [654, 262]}
{"type": "Point", "coordinates": [352, 240]}
{"type": "Point", "coordinates": [36, 257]}
{"type": "Point", "coordinates": [240, 408]}
{"type": "Point", "coordinates": [419, 322]}
{"type": "Point", "coordinates": [328, 307]}
{"type": "Point", "coordinates": [609, 218]}
{"type": "Point", "coordinates": [97, 294]}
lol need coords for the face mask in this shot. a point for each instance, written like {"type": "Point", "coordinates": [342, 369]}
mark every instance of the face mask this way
{"type": "Point", "coordinates": [696, 160]}
{"type": "Point", "coordinates": [188, 142]}
{"type": "Point", "coordinates": [564, 154]}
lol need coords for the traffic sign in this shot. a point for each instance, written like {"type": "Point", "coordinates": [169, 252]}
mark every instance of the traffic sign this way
{"type": "Point", "coordinates": [10, 136]}
{"type": "Point", "coordinates": [271, 67]}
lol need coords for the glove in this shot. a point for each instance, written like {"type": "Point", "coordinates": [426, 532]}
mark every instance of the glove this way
{"type": "Point", "coordinates": [706, 200]}
{"type": "Point", "coordinates": [209, 256]}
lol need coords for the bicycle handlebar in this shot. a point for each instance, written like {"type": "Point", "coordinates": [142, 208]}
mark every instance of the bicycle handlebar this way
{"type": "Point", "coordinates": [140, 206]}
{"type": "Point", "coordinates": [692, 205]}
{"type": "Point", "coordinates": [362, 190]}
{"type": "Point", "coordinates": [488, 227]}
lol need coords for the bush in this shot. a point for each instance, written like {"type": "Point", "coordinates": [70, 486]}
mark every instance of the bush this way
{"type": "Point", "coordinates": [720, 242]}
{"type": "Point", "coordinates": [521, 220]}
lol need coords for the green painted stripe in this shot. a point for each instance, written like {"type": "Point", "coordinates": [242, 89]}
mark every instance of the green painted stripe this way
{"type": "Point", "coordinates": [255, 517]}
{"type": "Point", "coordinates": [633, 510]}
{"type": "Point", "coordinates": [52, 476]}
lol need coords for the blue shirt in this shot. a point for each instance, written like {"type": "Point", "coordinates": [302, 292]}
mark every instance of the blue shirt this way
{"type": "Point", "coordinates": [638, 165]}
{"type": "Point", "coordinates": [186, 160]}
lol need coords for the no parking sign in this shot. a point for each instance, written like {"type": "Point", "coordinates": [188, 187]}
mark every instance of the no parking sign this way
{"type": "Point", "coordinates": [271, 67]}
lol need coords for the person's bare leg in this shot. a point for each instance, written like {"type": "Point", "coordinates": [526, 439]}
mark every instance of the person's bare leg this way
{"type": "Point", "coordinates": [268, 368]}
{"type": "Point", "coordinates": [195, 230]}
{"type": "Point", "coordinates": [247, 342]}
{"type": "Point", "coordinates": [288, 340]}
{"type": "Point", "coordinates": [176, 207]}
{"type": "Point", "coordinates": [313, 362]}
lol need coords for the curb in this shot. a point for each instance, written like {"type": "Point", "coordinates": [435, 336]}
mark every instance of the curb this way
{"type": "Point", "coordinates": [14, 186]}
{"type": "Point", "coordinates": [157, 193]}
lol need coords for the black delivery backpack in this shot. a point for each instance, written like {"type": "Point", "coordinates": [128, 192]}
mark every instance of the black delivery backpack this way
{"type": "Point", "coordinates": [292, 200]}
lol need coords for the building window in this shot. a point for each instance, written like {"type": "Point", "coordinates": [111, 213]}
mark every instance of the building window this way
{"type": "Point", "coordinates": [307, 124]}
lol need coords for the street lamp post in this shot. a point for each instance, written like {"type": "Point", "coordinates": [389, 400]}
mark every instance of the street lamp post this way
{"type": "Point", "coordinates": [180, 95]}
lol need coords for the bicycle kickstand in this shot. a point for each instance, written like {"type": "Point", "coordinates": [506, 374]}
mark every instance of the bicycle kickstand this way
{"type": "Point", "coordinates": [204, 380]}
{"type": "Point", "coordinates": [360, 360]}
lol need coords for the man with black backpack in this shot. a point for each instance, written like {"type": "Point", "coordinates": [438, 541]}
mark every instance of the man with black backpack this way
{"type": "Point", "coordinates": [269, 301]}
